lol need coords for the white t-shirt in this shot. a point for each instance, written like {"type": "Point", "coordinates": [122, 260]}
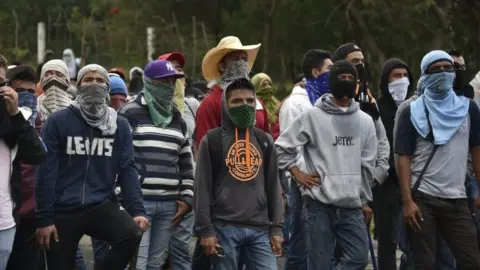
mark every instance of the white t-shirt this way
{"type": "Point", "coordinates": [6, 203]}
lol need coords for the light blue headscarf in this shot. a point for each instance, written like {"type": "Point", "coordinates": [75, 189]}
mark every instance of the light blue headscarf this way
{"type": "Point", "coordinates": [447, 111]}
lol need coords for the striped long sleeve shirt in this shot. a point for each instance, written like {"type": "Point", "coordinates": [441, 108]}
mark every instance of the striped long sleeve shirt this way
{"type": "Point", "coordinates": [163, 156]}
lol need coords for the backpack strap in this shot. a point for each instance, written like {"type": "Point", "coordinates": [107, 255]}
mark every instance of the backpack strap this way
{"type": "Point", "coordinates": [215, 148]}
{"type": "Point", "coordinates": [264, 142]}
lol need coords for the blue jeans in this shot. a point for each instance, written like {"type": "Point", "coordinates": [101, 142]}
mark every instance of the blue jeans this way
{"type": "Point", "coordinates": [296, 250]}
{"type": "Point", "coordinates": [100, 250]}
{"type": "Point", "coordinates": [326, 224]}
{"type": "Point", "coordinates": [79, 261]}
{"type": "Point", "coordinates": [7, 237]}
{"type": "Point", "coordinates": [179, 246]}
{"type": "Point", "coordinates": [153, 247]}
{"type": "Point", "coordinates": [255, 244]}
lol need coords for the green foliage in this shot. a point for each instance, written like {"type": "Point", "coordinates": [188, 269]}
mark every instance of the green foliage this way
{"type": "Point", "coordinates": [113, 32]}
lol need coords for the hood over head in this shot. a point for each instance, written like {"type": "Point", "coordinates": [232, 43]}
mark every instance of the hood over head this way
{"type": "Point", "coordinates": [388, 66]}
{"type": "Point", "coordinates": [227, 123]}
{"type": "Point", "coordinates": [326, 104]}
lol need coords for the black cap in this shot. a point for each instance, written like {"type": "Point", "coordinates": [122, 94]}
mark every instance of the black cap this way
{"type": "Point", "coordinates": [22, 72]}
{"type": "Point", "coordinates": [344, 50]}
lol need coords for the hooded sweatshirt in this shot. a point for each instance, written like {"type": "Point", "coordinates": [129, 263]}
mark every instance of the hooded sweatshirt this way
{"type": "Point", "coordinates": [333, 142]}
{"type": "Point", "coordinates": [82, 166]}
{"type": "Point", "coordinates": [209, 114]}
{"type": "Point", "coordinates": [388, 107]}
{"type": "Point", "coordinates": [239, 196]}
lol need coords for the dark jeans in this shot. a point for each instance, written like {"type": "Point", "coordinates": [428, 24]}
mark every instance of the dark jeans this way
{"type": "Point", "coordinates": [444, 258]}
{"type": "Point", "coordinates": [386, 204]}
{"type": "Point", "coordinates": [104, 222]}
{"type": "Point", "coordinates": [254, 244]}
{"type": "Point", "coordinates": [327, 224]}
{"type": "Point", "coordinates": [25, 255]}
{"type": "Point", "coordinates": [296, 249]}
{"type": "Point", "coordinates": [452, 219]}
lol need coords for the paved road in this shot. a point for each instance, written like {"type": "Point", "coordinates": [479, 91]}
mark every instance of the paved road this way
{"type": "Point", "coordinates": [85, 244]}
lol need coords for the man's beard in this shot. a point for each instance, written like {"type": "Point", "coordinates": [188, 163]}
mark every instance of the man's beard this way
{"type": "Point", "coordinates": [235, 70]}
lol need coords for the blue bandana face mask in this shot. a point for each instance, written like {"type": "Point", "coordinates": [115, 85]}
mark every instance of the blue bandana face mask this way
{"type": "Point", "coordinates": [29, 100]}
{"type": "Point", "coordinates": [439, 83]}
{"type": "Point", "coordinates": [317, 87]}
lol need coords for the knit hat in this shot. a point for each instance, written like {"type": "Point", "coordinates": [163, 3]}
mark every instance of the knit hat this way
{"type": "Point", "coordinates": [93, 68]}
{"type": "Point", "coordinates": [344, 50]}
{"type": "Point", "coordinates": [117, 86]}
{"type": "Point", "coordinates": [55, 65]}
{"type": "Point", "coordinates": [341, 67]}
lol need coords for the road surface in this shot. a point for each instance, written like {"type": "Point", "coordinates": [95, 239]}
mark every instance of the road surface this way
{"type": "Point", "coordinates": [86, 246]}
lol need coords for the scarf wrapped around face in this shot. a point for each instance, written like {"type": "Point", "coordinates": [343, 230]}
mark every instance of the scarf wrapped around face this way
{"type": "Point", "coordinates": [92, 103]}
{"type": "Point", "coordinates": [264, 91]}
{"type": "Point", "coordinates": [235, 70]}
{"type": "Point", "coordinates": [55, 96]}
{"type": "Point", "coordinates": [179, 94]}
{"type": "Point", "coordinates": [159, 98]}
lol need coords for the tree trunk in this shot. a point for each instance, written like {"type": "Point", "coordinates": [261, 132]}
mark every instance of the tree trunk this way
{"type": "Point", "coordinates": [194, 47]}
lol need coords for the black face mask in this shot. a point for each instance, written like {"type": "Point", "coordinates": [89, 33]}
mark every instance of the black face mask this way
{"type": "Point", "coordinates": [458, 83]}
{"type": "Point", "coordinates": [344, 88]}
{"type": "Point", "coordinates": [360, 71]}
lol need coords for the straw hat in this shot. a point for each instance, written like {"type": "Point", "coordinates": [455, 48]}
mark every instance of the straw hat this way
{"type": "Point", "coordinates": [226, 45]}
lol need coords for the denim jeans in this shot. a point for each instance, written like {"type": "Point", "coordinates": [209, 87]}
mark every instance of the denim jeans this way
{"type": "Point", "coordinates": [296, 250]}
{"type": "Point", "coordinates": [79, 261]}
{"type": "Point", "coordinates": [100, 250]}
{"type": "Point", "coordinates": [254, 243]}
{"type": "Point", "coordinates": [7, 237]}
{"type": "Point", "coordinates": [179, 246]}
{"type": "Point", "coordinates": [155, 241]}
{"type": "Point", "coordinates": [325, 225]}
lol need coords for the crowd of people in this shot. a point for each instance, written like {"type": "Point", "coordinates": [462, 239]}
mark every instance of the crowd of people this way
{"type": "Point", "coordinates": [145, 164]}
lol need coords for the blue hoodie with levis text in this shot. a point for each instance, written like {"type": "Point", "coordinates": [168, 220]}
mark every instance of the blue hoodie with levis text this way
{"type": "Point", "coordinates": [81, 166]}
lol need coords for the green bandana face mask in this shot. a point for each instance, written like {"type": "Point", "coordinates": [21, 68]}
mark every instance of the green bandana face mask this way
{"type": "Point", "coordinates": [242, 116]}
{"type": "Point", "coordinates": [159, 99]}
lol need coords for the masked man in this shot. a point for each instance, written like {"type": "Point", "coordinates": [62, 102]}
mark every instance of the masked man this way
{"type": "Point", "coordinates": [433, 136]}
{"type": "Point", "coordinates": [163, 157]}
{"type": "Point", "coordinates": [460, 85]}
{"type": "Point", "coordinates": [339, 147]}
{"type": "Point", "coordinates": [19, 143]}
{"type": "Point", "coordinates": [89, 148]}
{"type": "Point", "coordinates": [238, 161]}
{"type": "Point", "coordinates": [179, 247]}
{"type": "Point", "coordinates": [221, 65]}
{"type": "Point", "coordinates": [396, 85]}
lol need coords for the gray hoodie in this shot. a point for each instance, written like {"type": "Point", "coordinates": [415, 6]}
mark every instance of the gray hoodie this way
{"type": "Point", "coordinates": [243, 195]}
{"type": "Point", "coordinates": [341, 146]}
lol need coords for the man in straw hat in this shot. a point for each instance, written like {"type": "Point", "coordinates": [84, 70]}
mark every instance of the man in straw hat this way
{"type": "Point", "coordinates": [221, 65]}
{"type": "Point", "coordinates": [89, 149]}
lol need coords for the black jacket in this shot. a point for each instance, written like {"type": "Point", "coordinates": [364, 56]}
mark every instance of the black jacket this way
{"type": "Point", "coordinates": [23, 141]}
{"type": "Point", "coordinates": [388, 107]}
